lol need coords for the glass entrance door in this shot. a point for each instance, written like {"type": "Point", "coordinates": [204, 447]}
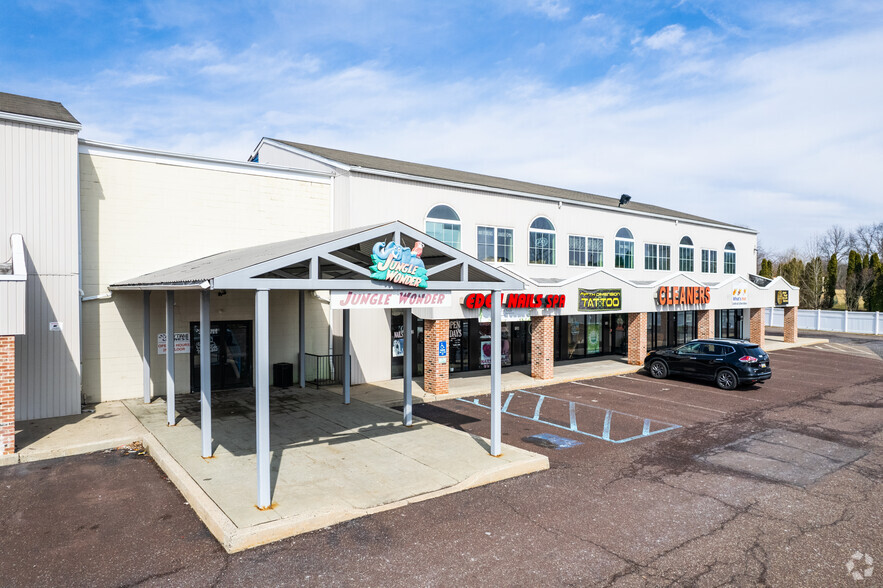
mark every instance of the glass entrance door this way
{"type": "Point", "coordinates": [231, 355]}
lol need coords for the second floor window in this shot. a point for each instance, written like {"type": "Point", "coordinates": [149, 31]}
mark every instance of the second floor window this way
{"type": "Point", "coordinates": [586, 251]}
{"type": "Point", "coordinates": [444, 224]}
{"type": "Point", "coordinates": [685, 255]}
{"type": "Point", "coordinates": [657, 257]}
{"type": "Point", "coordinates": [624, 249]}
{"type": "Point", "coordinates": [541, 244]}
{"type": "Point", "coordinates": [495, 244]}
{"type": "Point", "coordinates": [709, 261]}
{"type": "Point", "coordinates": [729, 259]}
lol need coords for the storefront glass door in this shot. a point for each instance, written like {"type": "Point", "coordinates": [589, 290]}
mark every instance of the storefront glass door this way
{"type": "Point", "coordinates": [397, 332]}
{"type": "Point", "coordinates": [231, 355]}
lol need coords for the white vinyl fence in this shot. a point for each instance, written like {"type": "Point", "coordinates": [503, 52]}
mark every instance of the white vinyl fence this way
{"type": "Point", "coordinates": [839, 321]}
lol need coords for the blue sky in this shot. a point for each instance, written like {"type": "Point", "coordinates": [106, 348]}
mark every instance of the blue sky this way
{"type": "Point", "coordinates": [766, 114]}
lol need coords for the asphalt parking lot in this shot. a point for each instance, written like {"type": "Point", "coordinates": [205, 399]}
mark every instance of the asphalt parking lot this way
{"type": "Point", "coordinates": [774, 484]}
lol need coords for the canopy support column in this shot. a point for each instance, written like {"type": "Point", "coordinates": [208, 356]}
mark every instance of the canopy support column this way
{"type": "Point", "coordinates": [145, 351]}
{"type": "Point", "coordinates": [346, 356]}
{"type": "Point", "coordinates": [205, 371]}
{"type": "Point", "coordinates": [496, 377]}
{"type": "Point", "coordinates": [262, 393]}
{"type": "Point", "coordinates": [301, 340]}
{"type": "Point", "coordinates": [170, 358]}
{"type": "Point", "coordinates": [409, 352]}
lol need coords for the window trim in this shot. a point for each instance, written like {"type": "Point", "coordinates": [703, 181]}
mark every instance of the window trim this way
{"type": "Point", "coordinates": [692, 248]}
{"type": "Point", "coordinates": [586, 250]}
{"type": "Point", "coordinates": [496, 244]}
{"type": "Point", "coordinates": [553, 232]}
{"type": "Point", "coordinates": [703, 263]}
{"type": "Point", "coordinates": [458, 222]}
{"type": "Point", "coordinates": [657, 268]}
{"type": "Point", "coordinates": [730, 249]}
{"type": "Point", "coordinates": [616, 240]}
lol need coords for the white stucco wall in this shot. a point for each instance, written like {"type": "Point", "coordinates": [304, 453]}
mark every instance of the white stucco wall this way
{"type": "Point", "coordinates": [142, 212]}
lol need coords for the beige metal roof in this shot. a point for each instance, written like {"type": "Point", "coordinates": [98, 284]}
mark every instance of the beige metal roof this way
{"type": "Point", "coordinates": [26, 106]}
{"type": "Point", "coordinates": [362, 162]}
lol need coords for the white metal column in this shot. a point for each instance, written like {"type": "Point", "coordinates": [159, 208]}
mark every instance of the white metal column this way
{"type": "Point", "coordinates": [496, 376]}
{"type": "Point", "coordinates": [170, 358]}
{"type": "Point", "coordinates": [301, 340]}
{"type": "Point", "coordinates": [346, 356]}
{"type": "Point", "coordinates": [145, 351]}
{"type": "Point", "coordinates": [205, 371]}
{"type": "Point", "coordinates": [409, 371]}
{"type": "Point", "coordinates": [262, 393]}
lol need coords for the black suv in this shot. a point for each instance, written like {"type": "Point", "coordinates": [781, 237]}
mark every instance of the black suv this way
{"type": "Point", "coordinates": [729, 362]}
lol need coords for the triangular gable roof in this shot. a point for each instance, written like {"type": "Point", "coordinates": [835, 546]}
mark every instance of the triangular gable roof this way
{"type": "Point", "coordinates": [331, 261]}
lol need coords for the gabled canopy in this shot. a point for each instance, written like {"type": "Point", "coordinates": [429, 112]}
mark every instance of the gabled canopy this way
{"type": "Point", "coordinates": [332, 261]}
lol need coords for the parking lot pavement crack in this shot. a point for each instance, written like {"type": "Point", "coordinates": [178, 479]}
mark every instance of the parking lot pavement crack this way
{"type": "Point", "coordinates": [221, 572]}
{"type": "Point", "coordinates": [154, 577]}
{"type": "Point", "coordinates": [559, 533]}
{"type": "Point", "coordinates": [737, 513]}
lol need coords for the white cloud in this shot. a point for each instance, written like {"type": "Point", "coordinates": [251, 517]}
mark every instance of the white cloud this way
{"type": "Point", "coordinates": [667, 38]}
{"type": "Point", "coordinates": [787, 140]}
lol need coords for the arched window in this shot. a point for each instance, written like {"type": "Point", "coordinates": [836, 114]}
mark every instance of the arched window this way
{"type": "Point", "coordinates": [624, 249]}
{"type": "Point", "coordinates": [685, 255]}
{"type": "Point", "coordinates": [729, 259]}
{"type": "Point", "coordinates": [541, 241]}
{"type": "Point", "coordinates": [444, 224]}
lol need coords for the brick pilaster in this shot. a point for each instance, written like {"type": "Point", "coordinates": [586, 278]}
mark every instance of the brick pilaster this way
{"type": "Point", "coordinates": [758, 328]}
{"type": "Point", "coordinates": [7, 395]}
{"type": "Point", "coordinates": [704, 324]}
{"type": "Point", "coordinates": [791, 324]}
{"type": "Point", "coordinates": [542, 347]}
{"type": "Point", "coordinates": [435, 374]}
{"type": "Point", "coordinates": [637, 338]}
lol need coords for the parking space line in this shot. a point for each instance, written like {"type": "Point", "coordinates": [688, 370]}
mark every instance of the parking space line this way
{"type": "Point", "coordinates": [652, 398]}
{"type": "Point", "coordinates": [608, 417]}
{"type": "Point", "coordinates": [667, 383]}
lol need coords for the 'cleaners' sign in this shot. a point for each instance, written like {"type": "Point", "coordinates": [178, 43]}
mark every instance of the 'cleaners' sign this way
{"type": "Point", "coordinates": [677, 295]}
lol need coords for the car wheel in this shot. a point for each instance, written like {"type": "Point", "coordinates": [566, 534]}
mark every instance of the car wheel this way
{"type": "Point", "coordinates": [726, 380]}
{"type": "Point", "coordinates": [658, 369]}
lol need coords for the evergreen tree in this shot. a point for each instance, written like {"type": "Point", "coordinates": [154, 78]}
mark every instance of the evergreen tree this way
{"type": "Point", "coordinates": [792, 271]}
{"type": "Point", "coordinates": [852, 280]}
{"type": "Point", "coordinates": [812, 284]}
{"type": "Point", "coordinates": [875, 291]}
{"type": "Point", "coordinates": [766, 268]}
{"type": "Point", "coordinates": [831, 283]}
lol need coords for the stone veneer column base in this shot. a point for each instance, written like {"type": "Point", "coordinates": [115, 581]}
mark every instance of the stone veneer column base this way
{"type": "Point", "coordinates": [704, 324]}
{"type": "Point", "coordinates": [791, 324]}
{"type": "Point", "coordinates": [7, 395]}
{"type": "Point", "coordinates": [637, 338]}
{"type": "Point", "coordinates": [435, 374]}
{"type": "Point", "coordinates": [757, 328]}
{"type": "Point", "coordinates": [542, 347]}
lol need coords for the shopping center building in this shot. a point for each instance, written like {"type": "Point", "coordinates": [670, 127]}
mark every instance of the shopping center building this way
{"type": "Point", "coordinates": [90, 229]}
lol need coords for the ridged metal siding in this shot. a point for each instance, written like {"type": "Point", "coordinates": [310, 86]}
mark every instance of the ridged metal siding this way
{"type": "Point", "coordinates": [38, 185]}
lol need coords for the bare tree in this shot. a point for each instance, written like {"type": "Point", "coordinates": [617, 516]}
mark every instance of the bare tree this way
{"type": "Point", "coordinates": [866, 239]}
{"type": "Point", "coordinates": [835, 240]}
{"type": "Point", "coordinates": [812, 279]}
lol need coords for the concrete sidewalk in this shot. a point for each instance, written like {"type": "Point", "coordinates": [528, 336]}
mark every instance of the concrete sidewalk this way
{"type": "Point", "coordinates": [329, 462]}
{"type": "Point", "coordinates": [465, 384]}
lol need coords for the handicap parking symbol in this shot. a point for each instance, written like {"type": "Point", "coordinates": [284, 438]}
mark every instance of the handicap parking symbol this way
{"type": "Point", "coordinates": [442, 348]}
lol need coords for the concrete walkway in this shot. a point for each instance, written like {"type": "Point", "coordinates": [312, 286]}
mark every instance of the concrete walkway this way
{"type": "Point", "coordinates": [465, 384]}
{"type": "Point", "coordinates": [329, 462]}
